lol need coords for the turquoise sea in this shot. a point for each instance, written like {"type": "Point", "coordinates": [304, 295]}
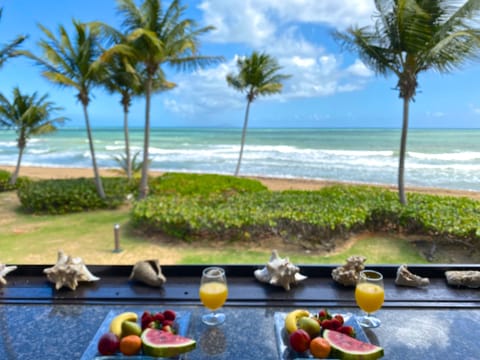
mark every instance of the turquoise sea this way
{"type": "Point", "coordinates": [435, 158]}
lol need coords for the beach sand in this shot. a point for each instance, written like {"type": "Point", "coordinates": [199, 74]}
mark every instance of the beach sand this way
{"type": "Point", "coordinates": [275, 184]}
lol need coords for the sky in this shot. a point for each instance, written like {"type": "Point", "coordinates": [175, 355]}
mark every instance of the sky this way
{"type": "Point", "coordinates": [328, 88]}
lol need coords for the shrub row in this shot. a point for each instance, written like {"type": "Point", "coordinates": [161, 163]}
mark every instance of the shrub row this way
{"type": "Point", "coordinates": [311, 216]}
{"type": "Point", "coordinates": [5, 181]}
{"type": "Point", "coordinates": [202, 185]}
{"type": "Point", "coordinates": [62, 196]}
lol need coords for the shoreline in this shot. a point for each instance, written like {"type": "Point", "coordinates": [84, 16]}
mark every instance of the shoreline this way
{"type": "Point", "coordinates": [273, 183]}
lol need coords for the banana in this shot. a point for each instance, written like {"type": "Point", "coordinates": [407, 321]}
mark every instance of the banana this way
{"type": "Point", "coordinates": [292, 318]}
{"type": "Point", "coordinates": [116, 324]}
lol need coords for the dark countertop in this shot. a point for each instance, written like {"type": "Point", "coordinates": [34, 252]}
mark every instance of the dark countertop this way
{"type": "Point", "coordinates": [38, 322]}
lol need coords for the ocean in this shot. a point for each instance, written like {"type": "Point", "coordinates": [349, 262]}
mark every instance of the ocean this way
{"type": "Point", "coordinates": [447, 159]}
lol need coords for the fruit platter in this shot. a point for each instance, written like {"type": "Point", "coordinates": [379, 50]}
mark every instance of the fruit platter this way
{"type": "Point", "coordinates": [145, 335]}
{"type": "Point", "coordinates": [301, 334]}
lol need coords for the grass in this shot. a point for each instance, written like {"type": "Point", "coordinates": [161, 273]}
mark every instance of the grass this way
{"type": "Point", "coordinates": [36, 239]}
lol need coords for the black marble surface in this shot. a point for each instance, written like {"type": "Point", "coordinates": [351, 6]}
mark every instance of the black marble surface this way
{"type": "Point", "coordinates": [46, 331]}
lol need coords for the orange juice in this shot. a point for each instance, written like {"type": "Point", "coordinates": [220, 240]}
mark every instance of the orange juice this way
{"type": "Point", "coordinates": [369, 297]}
{"type": "Point", "coordinates": [213, 294]}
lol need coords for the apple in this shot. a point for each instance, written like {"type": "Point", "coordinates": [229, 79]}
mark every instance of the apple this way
{"type": "Point", "coordinates": [311, 326]}
{"type": "Point", "coordinates": [108, 344]}
{"type": "Point", "coordinates": [300, 340]}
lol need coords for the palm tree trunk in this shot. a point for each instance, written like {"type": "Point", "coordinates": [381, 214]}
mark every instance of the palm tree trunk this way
{"type": "Point", "coordinates": [14, 177]}
{"type": "Point", "coordinates": [244, 133]}
{"type": "Point", "coordinates": [98, 180]}
{"type": "Point", "coordinates": [143, 191]}
{"type": "Point", "coordinates": [127, 144]}
{"type": "Point", "coordinates": [403, 149]}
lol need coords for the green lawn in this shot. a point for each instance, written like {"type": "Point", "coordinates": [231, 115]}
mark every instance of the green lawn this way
{"type": "Point", "coordinates": [36, 239]}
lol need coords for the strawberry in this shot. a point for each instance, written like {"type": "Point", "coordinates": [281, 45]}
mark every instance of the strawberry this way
{"type": "Point", "coordinates": [347, 329]}
{"type": "Point", "coordinates": [335, 324]}
{"type": "Point", "coordinates": [324, 314]}
{"type": "Point", "coordinates": [339, 317]}
{"type": "Point", "coordinates": [146, 321]}
{"type": "Point", "coordinates": [327, 324]}
{"type": "Point", "coordinates": [169, 315]}
{"type": "Point", "coordinates": [146, 314]}
{"type": "Point", "coordinates": [168, 322]}
{"type": "Point", "coordinates": [159, 317]}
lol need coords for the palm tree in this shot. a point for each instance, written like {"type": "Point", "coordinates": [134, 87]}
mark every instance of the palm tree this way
{"type": "Point", "coordinates": [28, 115]}
{"type": "Point", "coordinates": [123, 78]}
{"type": "Point", "coordinates": [413, 36]}
{"type": "Point", "coordinates": [258, 76]}
{"type": "Point", "coordinates": [127, 79]}
{"type": "Point", "coordinates": [70, 62]}
{"type": "Point", "coordinates": [8, 50]}
{"type": "Point", "coordinates": [156, 37]}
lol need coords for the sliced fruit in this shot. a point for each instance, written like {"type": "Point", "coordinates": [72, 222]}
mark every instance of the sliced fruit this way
{"type": "Point", "coordinates": [346, 347]}
{"type": "Point", "coordinates": [292, 318]}
{"type": "Point", "coordinates": [116, 324]}
{"type": "Point", "coordinates": [159, 343]}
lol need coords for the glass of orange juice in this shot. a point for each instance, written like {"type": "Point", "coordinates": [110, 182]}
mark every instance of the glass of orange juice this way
{"type": "Point", "coordinates": [213, 294]}
{"type": "Point", "coordinates": [369, 295]}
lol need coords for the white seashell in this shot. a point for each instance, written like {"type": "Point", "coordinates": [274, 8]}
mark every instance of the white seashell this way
{"type": "Point", "coordinates": [406, 278]}
{"type": "Point", "coordinates": [469, 279]}
{"type": "Point", "coordinates": [68, 271]}
{"type": "Point", "coordinates": [149, 272]}
{"type": "Point", "coordinates": [4, 270]}
{"type": "Point", "coordinates": [279, 272]}
{"type": "Point", "coordinates": [349, 273]}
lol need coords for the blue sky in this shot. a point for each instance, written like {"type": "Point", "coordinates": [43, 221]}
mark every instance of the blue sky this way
{"type": "Point", "coordinates": [328, 87]}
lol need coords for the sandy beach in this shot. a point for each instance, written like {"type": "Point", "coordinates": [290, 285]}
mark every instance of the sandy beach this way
{"type": "Point", "coordinates": [275, 184]}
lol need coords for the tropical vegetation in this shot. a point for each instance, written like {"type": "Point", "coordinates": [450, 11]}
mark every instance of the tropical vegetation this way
{"type": "Point", "coordinates": [93, 240]}
{"type": "Point", "coordinates": [311, 218]}
{"type": "Point", "coordinates": [70, 61]}
{"type": "Point", "coordinates": [8, 50]}
{"type": "Point", "coordinates": [28, 115]}
{"type": "Point", "coordinates": [413, 36]}
{"type": "Point", "coordinates": [156, 37]}
{"type": "Point", "coordinates": [258, 75]}
{"type": "Point", "coordinates": [228, 209]}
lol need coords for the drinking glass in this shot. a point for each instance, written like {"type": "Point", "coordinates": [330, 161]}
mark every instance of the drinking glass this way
{"type": "Point", "coordinates": [369, 295]}
{"type": "Point", "coordinates": [213, 294]}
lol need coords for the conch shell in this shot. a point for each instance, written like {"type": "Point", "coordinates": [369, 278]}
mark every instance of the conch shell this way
{"type": "Point", "coordinates": [406, 278]}
{"type": "Point", "coordinates": [280, 272]}
{"type": "Point", "coordinates": [467, 278]}
{"type": "Point", "coordinates": [149, 272]}
{"type": "Point", "coordinates": [349, 273]}
{"type": "Point", "coordinates": [68, 271]}
{"type": "Point", "coordinates": [4, 270]}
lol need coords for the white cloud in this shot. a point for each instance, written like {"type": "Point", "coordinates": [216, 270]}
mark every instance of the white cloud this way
{"type": "Point", "coordinates": [203, 90]}
{"type": "Point", "coordinates": [254, 21]}
{"type": "Point", "coordinates": [278, 28]}
{"type": "Point", "coordinates": [358, 68]}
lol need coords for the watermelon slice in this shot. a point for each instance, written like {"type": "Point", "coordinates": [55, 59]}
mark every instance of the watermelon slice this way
{"type": "Point", "coordinates": [159, 343]}
{"type": "Point", "coordinates": [348, 348]}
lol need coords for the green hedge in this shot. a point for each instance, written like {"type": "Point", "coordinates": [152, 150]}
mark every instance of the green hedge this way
{"type": "Point", "coordinates": [311, 216]}
{"type": "Point", "coordinates": [61, 196]}
{"type": "Point", "coordinates": [203, 185]}
{"type": "Point", "coordinates": [5, 181]}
